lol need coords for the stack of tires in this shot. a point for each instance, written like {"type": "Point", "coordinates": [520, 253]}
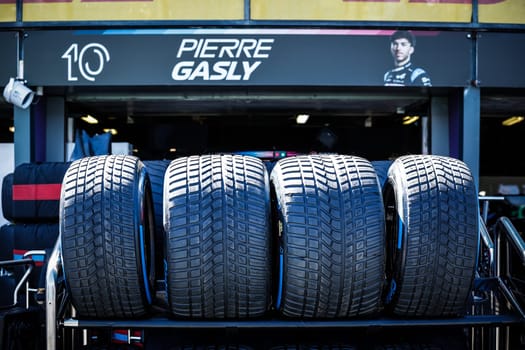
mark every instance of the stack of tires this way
{"type": "Point", "coordinates": [217, 247]}
{"type": "Point", "coordinates": [353, 245]}
{"type": "Point", "coordinates": [320, 237]}
{"type": "Point", "coordinates": [30, 202]}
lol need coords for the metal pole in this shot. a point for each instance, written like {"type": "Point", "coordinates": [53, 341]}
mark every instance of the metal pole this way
{"type": "Point", "coordinates": [51, 308]}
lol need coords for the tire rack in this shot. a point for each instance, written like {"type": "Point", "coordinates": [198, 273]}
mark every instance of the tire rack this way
{"type": "Point", "coordinates": [489, 318]}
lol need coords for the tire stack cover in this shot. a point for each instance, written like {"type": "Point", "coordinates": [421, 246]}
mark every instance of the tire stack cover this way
{"type": "Point", "coordinates": [433, 235]}
{"type": "Point", "coordinates": [7, 197]}
{"type": "Point", "coordinates": [18, 239]}
{"type": "Point", "coordinates": [381, 167]}
{"type": "Point", "coordinates": [30, 201]}
{"type": "Point", "coordinates": [331, 236]}
{"type": "Point", "coordinates": [35, 192]}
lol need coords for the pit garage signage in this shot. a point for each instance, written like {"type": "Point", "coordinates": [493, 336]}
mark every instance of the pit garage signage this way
{"type": "Point", "coordinates": [220, 59]}
{"type": "Point", "coordinates": [459, 11]}
{"type": "Point", "coordinates": [501, 59]}
{"type": "Point", "coordinates": [119, 10]}
{"type": "Point", "coordinates": [490, 11]}
{"type": "Point", "coordinates": [7, 57]}
{"type": "Point", "coordinates": [237, 57]}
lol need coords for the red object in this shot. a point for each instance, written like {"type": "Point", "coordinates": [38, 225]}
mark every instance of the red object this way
{"type": "Point", "coordinates": [38, 192]}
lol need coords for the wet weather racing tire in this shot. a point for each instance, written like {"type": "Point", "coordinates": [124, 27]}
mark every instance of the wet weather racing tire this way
{"type": "Point", "coordinates": [217, 223]}
{"type": "Point", "coordinates": [432, 217]}
{"type": "Point", "coordinates": [331, 231]}
{"type": "Point", "coordinates": [107, 236]}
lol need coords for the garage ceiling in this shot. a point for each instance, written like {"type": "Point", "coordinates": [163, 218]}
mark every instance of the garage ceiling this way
{"type": "Point", "coordinates": [165, 101]}
{"type": "Point", "coordinates": [220, 102]}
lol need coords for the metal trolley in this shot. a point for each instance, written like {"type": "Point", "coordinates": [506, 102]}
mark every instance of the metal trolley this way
{"type": "Point", "coordinates": [494, 318]}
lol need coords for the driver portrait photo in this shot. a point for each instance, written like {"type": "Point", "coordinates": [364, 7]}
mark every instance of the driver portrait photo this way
{"type": "Point", "coordinates": [404, 73]}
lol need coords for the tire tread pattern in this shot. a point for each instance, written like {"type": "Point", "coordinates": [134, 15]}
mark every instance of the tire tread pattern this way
{"type": "Point", "coordinates": [99, 237]}
{"type": "Point", "coordinates": [332, 219]}
{"type": "Point", "coordinates": [441, 224]}
{"type": "Point", "coordinates": [217, 221]}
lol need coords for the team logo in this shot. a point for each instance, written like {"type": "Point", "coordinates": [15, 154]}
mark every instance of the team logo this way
{"type": "Point", "coordinates": [87, 61]}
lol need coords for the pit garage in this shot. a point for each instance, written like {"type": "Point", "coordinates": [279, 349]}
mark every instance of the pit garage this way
{"type": "Point", "coordinates": [232, 187]}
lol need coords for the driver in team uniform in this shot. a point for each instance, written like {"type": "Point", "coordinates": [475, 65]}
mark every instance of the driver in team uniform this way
{"type": "Point", "coordinates": [402, 46]}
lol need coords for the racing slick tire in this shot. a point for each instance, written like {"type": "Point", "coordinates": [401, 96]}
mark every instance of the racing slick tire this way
{"type": "Point", "coordinates": [106, 228]}
{"type": "Point", "coordinates": [217, 224]}
{"type": "Point", "coordinates": [432, 215]}
{"type": "Point", "coordinates": [331, 233]}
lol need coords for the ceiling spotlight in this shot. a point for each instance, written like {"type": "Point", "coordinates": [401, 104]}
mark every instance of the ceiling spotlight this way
{"type": "Point", "coordinates": [89, 119]}
{"type": "Point", "coordinates": [302, 118]}
{"type": "Point", "coordinates": [111, 131]}
{"type": "Point", "coordinates": [11, 129]}
{"type": "Point", "coordinates": [512, 120]}
{"type": "Point", "coordinates": [410, 119]}
{"type": "Point", "coordinates": [17, 93]}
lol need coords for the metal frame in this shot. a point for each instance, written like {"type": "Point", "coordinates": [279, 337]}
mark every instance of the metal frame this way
{"type": "Point", "coordinates": [505, 308]}
{"type": "Point", "coordinates": [29, 263]}
{"type": "Point", "coordinates": [474, 27]}
{"type": "Point", "coordinates": [474, 24]}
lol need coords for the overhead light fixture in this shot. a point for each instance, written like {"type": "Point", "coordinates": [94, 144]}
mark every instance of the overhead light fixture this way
{"type": "Point", "coordinates": [17, 93]}
{"type": "Point", "coordinates": [410, 119]}
{"type": "Point", "coordinates": [302, 118]}
{"type": "Point", "coordinates": [173, 150]}
{"type": "Point", "coordinates": [512, 120]}
{"type": "Point", "coordinates": [89, 119]}
{"type": "Point", "coordinates": [12, 129]}
{"type": "Point", "coordinates": [111, 131]}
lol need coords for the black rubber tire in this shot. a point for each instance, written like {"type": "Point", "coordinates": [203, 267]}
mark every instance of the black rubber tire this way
{"type": "Point", "coordinates": [217, 212]}
{"type": "Point", "coordinates": [7, 197]}
{"type": "Point", "coordinates": [331, 234]}
{"type": "Point", "coordinates": [156, 170]}
{"type": "Point", "coordinates": [432, 215]}
{"type": "Point", "coordinates": [107, 237]}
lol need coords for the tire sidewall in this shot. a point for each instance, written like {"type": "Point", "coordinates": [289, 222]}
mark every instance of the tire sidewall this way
{"type": "Point", "coordinates": [145, 227]}
{"type": "Point", "coordinates": [397, 214]}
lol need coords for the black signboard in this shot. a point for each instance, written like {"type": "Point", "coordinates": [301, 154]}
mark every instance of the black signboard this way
{"type": "Point", "coordinates": [501, 60]}
{"type": "Point", "coordinates": [8, 57]}
{"type": "Point", "coordinates": [216, 57]}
